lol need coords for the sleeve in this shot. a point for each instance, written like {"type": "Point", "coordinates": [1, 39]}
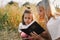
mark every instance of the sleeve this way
{"type": "Point", "coordinates": [20, 26]}
{"type": "Point", "coordinates": [58, 31]}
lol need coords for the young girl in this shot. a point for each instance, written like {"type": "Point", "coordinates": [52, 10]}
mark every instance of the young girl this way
{"type": "Point", "coordinates": [42, 21]}
{"type": "Point", "coordinates": [42, 17]}
{"type": "Point", "coordinates": [27, 18]}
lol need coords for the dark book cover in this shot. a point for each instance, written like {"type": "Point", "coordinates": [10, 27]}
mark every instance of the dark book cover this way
{"type": "Point", "coordinates": [33, 27]}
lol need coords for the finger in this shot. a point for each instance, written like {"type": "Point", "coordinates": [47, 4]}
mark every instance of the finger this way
{"type": "Point", "coordinates": [32, 34]}
{"type": "Point", "coordinates": [35, 33]}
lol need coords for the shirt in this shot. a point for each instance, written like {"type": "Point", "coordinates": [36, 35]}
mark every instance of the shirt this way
{"type": "Point", "coordinates": [53, 27]}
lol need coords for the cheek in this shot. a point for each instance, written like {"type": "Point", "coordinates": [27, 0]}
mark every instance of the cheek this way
{"type": "Point", "coordinates": [25, 20]}
{"type": "Point", "coordinates": [30, 20]}
{"type": "Point", "coordinates": [41, 13]}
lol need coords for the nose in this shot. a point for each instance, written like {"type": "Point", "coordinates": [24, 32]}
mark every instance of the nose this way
{"type": "Point", "coordinates": [27, 20]}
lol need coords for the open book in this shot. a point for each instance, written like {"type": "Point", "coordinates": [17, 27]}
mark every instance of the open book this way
{"type": "Point", "coordinates": [34, 26]}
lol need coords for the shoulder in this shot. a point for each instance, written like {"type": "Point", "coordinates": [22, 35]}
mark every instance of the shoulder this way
{"type": "Point", "coordinates": [20, 24]}
{"type": "Point", "coordinates": [50, 23]}
{"type": "Point", "coordinates": [51, 19]}
{"type": "Point", "coordinates": [58, 18]}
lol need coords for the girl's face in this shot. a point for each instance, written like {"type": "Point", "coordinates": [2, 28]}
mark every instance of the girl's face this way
{"type": "Point", "coordinates": [41, 13]}
{"type": "Point", "coordinates": [28, 18]}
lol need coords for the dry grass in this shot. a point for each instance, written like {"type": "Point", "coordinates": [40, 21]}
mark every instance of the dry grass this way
{"type": "Point", "coordinates": [10, 17]}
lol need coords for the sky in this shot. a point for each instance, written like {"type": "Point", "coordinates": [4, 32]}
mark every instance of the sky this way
{"type": "Point", "coordinates": [4, 2]}
{"type": "Point", "coordinates": [20, 2]}
{"type": "Point", "coordinates": [53, 3]}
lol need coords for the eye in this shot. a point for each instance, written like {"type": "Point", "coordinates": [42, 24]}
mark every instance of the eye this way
{"type": "Point", "coordinates": [25, 17]}
{"type": "Point", "coordinates": [28, 17]}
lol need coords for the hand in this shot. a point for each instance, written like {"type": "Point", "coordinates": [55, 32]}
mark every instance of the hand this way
{"type": "Point", "coordinates": [58, 38]}
{"type": "Point", "coordinates": [35, 36]}
{"type": "Point", "coordinates": [46, 35]}
{"type": "Point", "coordinates": [58, 14]}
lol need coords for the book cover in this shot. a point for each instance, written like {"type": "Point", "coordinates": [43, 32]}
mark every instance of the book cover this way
{"type": "Point", "coordinates": [33, 26]}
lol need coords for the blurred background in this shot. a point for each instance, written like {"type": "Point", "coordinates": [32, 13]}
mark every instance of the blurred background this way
{"type": "Point", "coordinates": [11, 12]}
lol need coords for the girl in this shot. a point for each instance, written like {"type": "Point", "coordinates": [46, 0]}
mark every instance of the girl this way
{"type": "Point", "coordinates": [42, 21]}
{"type": "Point", "coordinates": [42, 17]}
{"type": "Point", "coordinates": [27, 18]}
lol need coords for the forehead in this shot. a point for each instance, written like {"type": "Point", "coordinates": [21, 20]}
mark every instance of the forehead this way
{"type": "Point", "coordinates": [28, 15]}
{"type": "Point", "coordinates": [41, 8]}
